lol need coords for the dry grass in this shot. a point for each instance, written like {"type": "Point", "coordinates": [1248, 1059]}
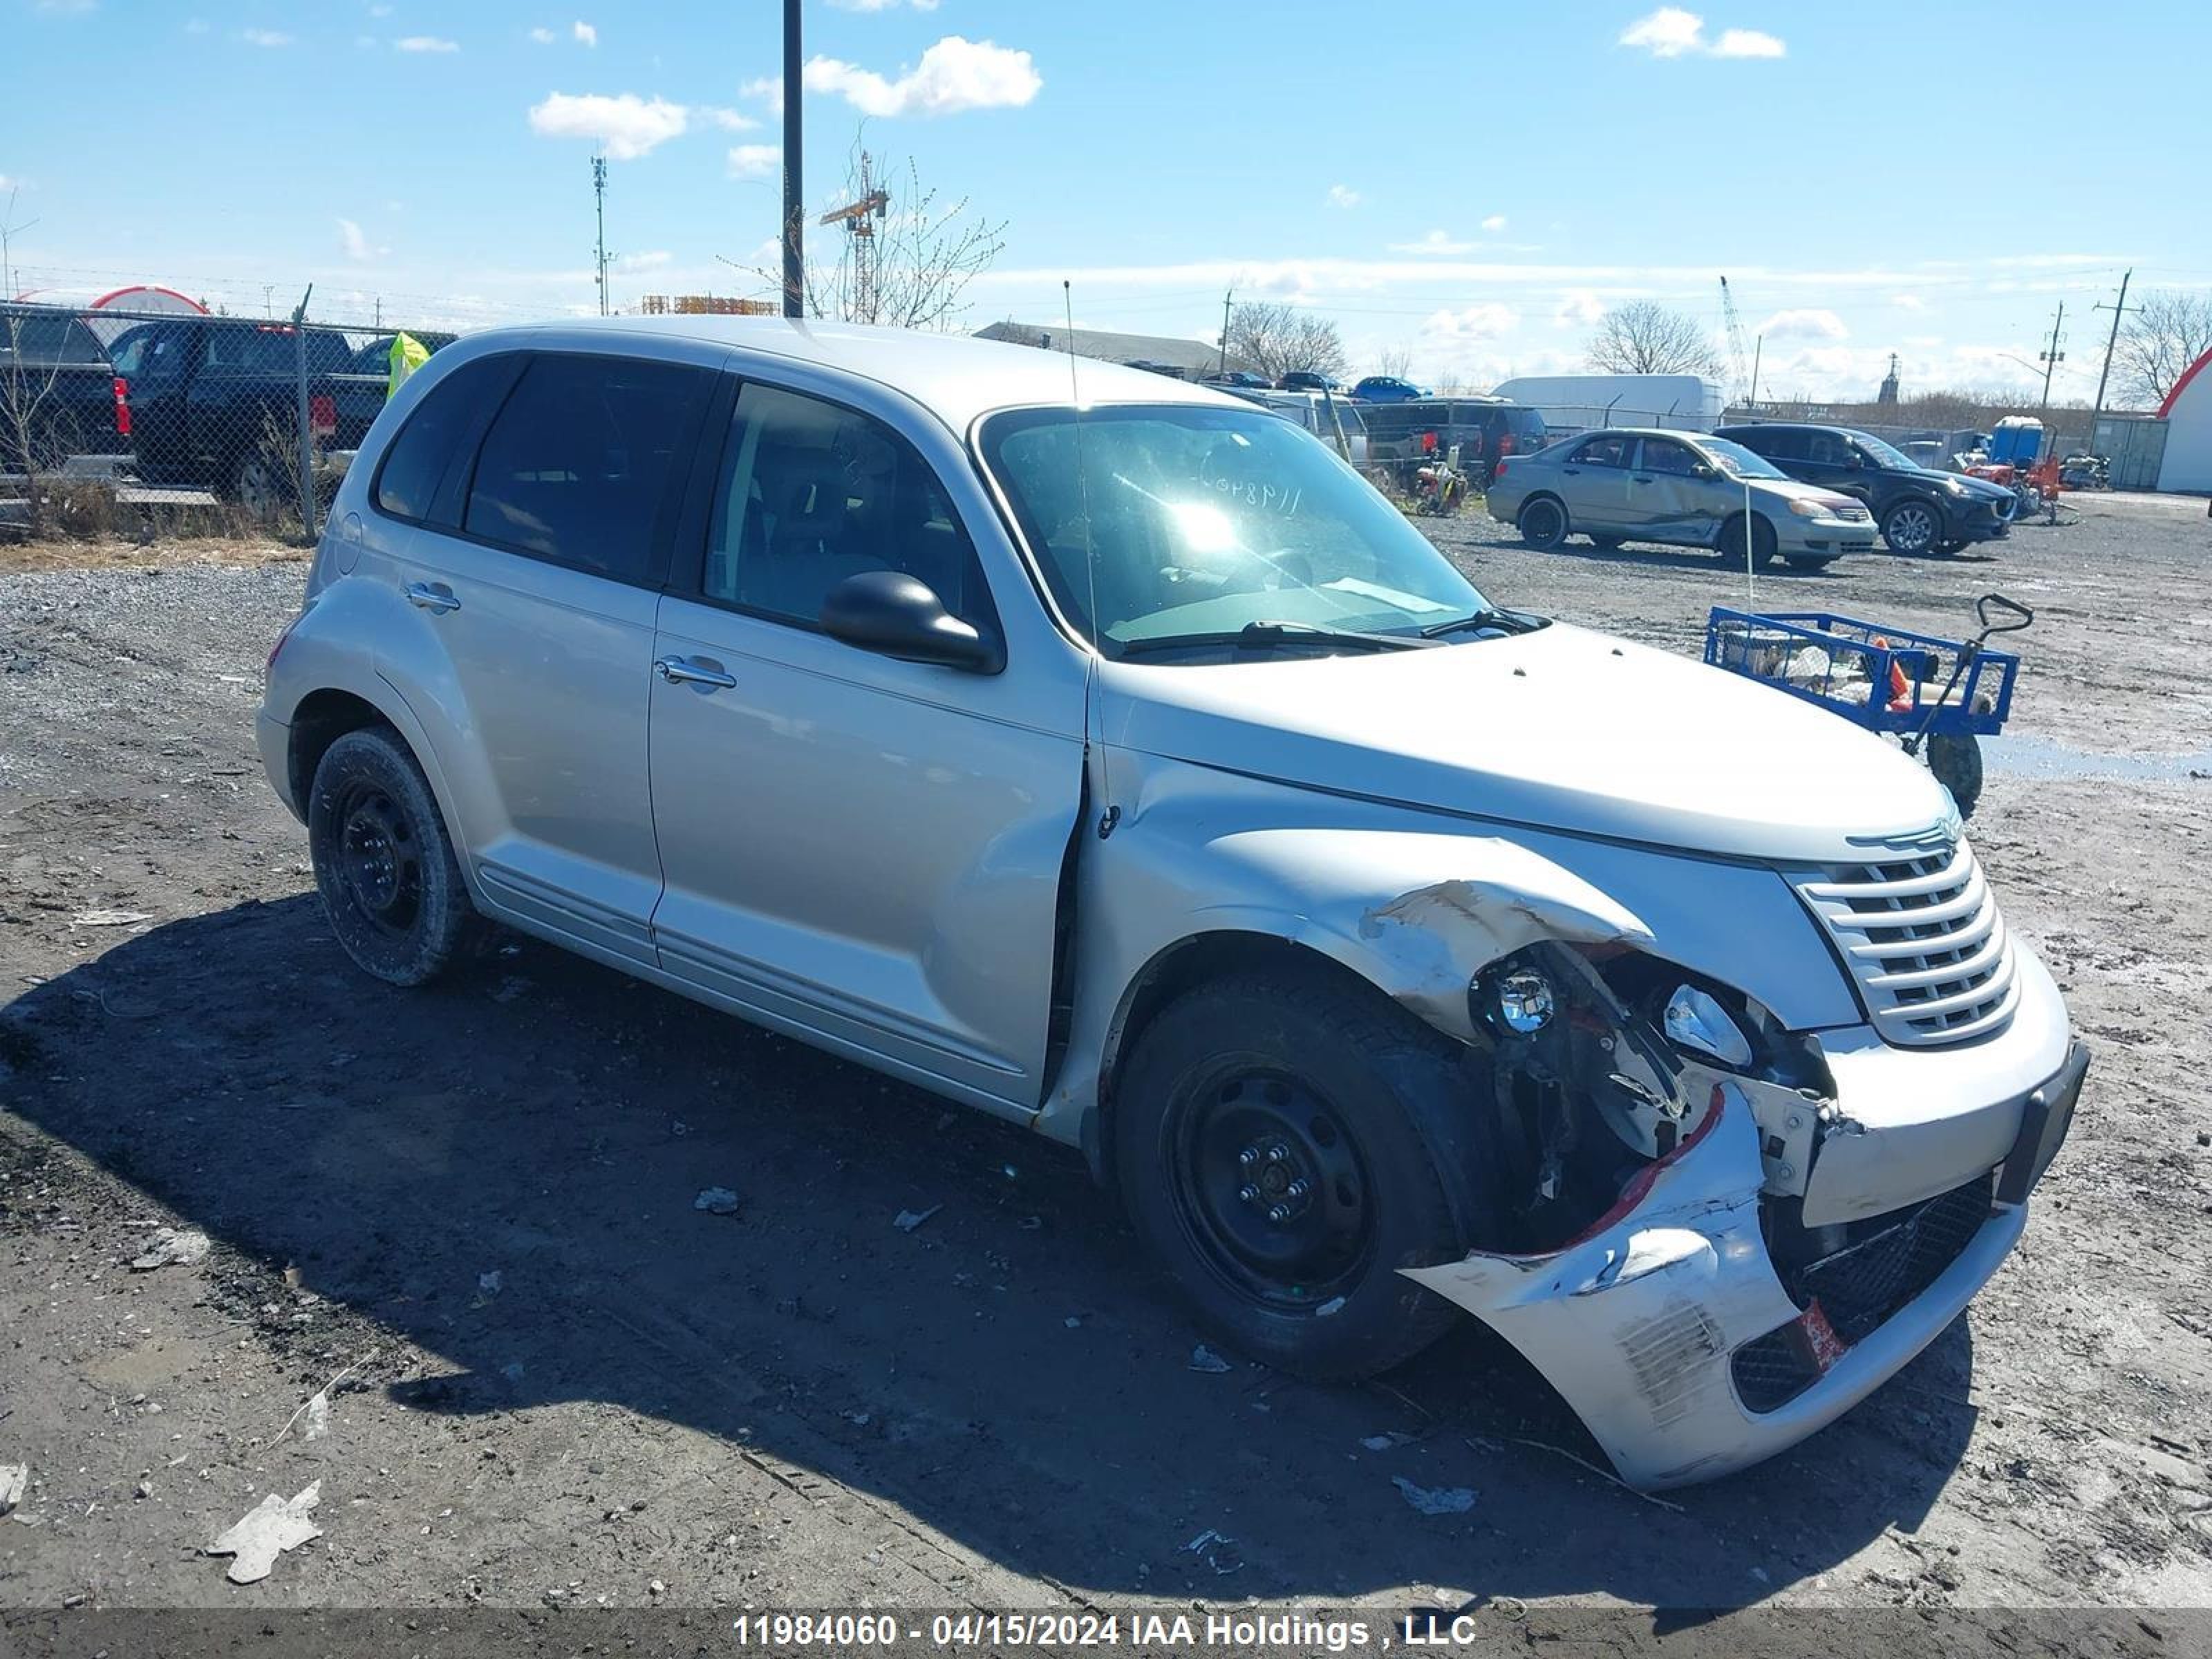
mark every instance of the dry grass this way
{"type": "Point", "coordinates": [115, 553]}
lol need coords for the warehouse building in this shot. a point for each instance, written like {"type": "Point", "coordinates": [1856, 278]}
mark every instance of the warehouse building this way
{"type": "Point", "coordinates": [2187, 414]}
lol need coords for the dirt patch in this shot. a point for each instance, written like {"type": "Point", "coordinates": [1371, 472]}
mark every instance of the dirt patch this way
{"type": "Point", "coordinates": [561, 1382]}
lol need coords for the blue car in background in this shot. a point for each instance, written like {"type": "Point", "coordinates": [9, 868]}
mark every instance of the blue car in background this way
{"type": "Point", "coordinates": [1388, 389]}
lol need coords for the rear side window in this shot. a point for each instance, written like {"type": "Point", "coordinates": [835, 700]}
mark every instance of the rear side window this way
{"type": "Point", "coordinates": [434, 442]}
{"type": "Point", "coordinates": [583, 463]}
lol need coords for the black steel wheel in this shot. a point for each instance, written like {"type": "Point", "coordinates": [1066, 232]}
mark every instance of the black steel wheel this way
{"type": "Point", "coordinates": [383, 864]}
{"type": "Point", "coordinates": [1284, 1143]}
{"type": "Point", "coordinates": [1543, 523]}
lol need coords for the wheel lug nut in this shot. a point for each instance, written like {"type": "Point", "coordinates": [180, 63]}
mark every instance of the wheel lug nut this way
{"type": "Point", "coordinates": [1250, 1194]}
{"type": "Point", "coordinates": [1249, 1156]}
{"type": "Point", "coordinates": [1278, 1153]}
{"type": "Point", "coordinates": [1279, 1213]}
{"type": "Point", "coordinates": [1294, 1191]}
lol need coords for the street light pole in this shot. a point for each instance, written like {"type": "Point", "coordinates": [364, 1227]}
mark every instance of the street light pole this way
{"type": "Point", "coordinates": [794, 268]}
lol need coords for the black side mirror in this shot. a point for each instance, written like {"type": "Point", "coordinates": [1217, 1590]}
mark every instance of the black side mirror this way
{"type": "Point", "coordinates": [1706, 471]}
{"type": "Point", "coordinates": [895, 614]}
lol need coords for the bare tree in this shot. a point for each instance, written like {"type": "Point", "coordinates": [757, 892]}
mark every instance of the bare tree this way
{"type": "Point", "coordinates": [2169, 330]}
{"type": "Point", "coordinates": [1276, 339]}
{"type": "Point", "coordinates": [30, 444]}
{"type": "Point", "coordinates": [1397, 362]}
{"type": "Point", "coordinates": [1643, 339]}
{"type": "Point", "coordinates": [904, 259]}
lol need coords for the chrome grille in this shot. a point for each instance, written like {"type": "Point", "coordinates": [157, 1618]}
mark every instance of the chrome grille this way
{"type": "Point", "coordinates": [1923, 941]}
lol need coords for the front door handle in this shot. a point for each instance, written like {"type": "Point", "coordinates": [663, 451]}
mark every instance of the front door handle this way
{"type": "Point", "coordinates": [682, 670]}
{"type": "Point", "coordinates": [1642, 477]}
{"type": "Point", "coordinates": [432, 596]}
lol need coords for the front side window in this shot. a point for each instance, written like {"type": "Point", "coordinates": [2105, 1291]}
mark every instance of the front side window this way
{"type": "Point", "coordinates": [1664, 455]}
{"type": "Point", "coordinates": [1187, 520]}
{"type": "Point", "coordinates": [810, 493]}
{"type": "Point", "coordinates": [1876, 454]}
{"type": "Point", "coordinates": [583, 464]}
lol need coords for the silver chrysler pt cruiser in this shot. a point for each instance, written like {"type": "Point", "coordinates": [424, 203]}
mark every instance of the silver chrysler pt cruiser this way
{"type": "Point", "coordinates": [1104, 753]}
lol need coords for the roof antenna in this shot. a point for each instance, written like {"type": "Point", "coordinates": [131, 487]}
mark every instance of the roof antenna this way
{"type": "Point", "coordinates": [1093, 697]}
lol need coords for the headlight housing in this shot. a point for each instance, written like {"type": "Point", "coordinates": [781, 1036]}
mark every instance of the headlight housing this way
{"type": "Point", "coordinates": [1695, 1020]}
{"type": "Point", "coordinates": [1806, 508]}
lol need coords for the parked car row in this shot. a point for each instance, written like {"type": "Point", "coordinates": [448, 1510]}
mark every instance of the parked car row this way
{"type": "Point", "coordinates": [204, 402]}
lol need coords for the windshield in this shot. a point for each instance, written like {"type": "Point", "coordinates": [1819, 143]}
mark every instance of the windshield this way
{"type": "Point", "coordinates": [1738, 462]}
{"type": "Point", "coordinates": [1199, 521]}
{"type": "Point", "coordinates": [1882, 455]}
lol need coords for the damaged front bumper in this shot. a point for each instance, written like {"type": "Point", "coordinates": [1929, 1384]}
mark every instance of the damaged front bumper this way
{"type": "Point", "coordinates": [1667, 1326]}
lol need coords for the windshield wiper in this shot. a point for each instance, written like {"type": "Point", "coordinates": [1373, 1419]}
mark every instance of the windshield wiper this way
{"type": "Point", "coordinates": [1276, 635]}
{"type": "Point", "coordinates": [1506, 622]}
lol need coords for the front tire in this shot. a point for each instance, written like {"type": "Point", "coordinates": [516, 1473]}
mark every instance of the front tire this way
{"type": "Point", "coordinates": [1806, 563]}
{"type": "Point", "coordinates": [1606, 543]}
{"type": "Point", "coordinates": [1762, 541]}
{"type": "Point", "coordinates": [1543, 524]}
{"type": "Point", "coordinates": [1956, 761]}
{"type": "Point", "coordinates": [1912, 528]}
{"type": "Point", "coordinates": [1286, 1145]}
{"type": "Point", "coordinates": [383, 864]}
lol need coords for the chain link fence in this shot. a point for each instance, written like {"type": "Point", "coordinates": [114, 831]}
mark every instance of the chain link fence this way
{"type": "Point", "coordinates": [160, 423]}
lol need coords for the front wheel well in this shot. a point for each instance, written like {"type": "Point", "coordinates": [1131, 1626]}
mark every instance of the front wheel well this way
{"type": "Point", "coordinates": [322, 718]}
{"type": "Point", "coordinates": [1181, 967]}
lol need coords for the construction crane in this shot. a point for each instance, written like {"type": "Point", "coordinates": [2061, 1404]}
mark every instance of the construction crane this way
{"type": "Point", "coordinates": [859, 218]}
{"type": "Point", "coordinates": [1746, 386]}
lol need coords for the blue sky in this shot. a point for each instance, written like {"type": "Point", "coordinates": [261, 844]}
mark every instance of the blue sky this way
{"type": "Point", "coordinates": [1471, 183]}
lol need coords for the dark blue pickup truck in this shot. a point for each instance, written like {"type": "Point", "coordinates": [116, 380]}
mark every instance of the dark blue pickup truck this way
{"type": "Point", "coordinates": [215, 402]}
{"type": "Point", "coordinates": [59, 395]}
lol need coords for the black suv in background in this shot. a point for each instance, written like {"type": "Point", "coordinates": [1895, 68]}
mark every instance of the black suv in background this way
{"type": "Point", "coordinates": [59, 395]}
{"type": "Point", "coordinates": [1918, 508]}
{"type": "Point", "coordinates": [1486, 430]}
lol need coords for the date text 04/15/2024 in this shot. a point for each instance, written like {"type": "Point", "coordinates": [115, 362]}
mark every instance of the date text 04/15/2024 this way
{"type": "Point", "coordinates": [957, 1630]}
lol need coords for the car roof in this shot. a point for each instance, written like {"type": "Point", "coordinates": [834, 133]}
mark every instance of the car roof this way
{"type": "Point", "coordinates": [955, 376]}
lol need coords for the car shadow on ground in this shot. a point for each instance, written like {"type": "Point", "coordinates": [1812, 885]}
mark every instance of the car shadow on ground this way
{"type": "Point", "coordinates": [1007, 1371]}
{"type": "Point", "coordinates": [1666, 557]}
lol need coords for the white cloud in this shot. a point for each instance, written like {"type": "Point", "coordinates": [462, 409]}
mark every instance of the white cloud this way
{"type": "Point", "coordinates": [1477, 322]}
{"type": "Point", "coordinates": [754, 161]}
{"type": "Point", "coordinates": [1671, 32]}
{"type": "Point", "coordinates": [196, 26]}
{"type": "Point", "coordinates": [354, 240]}
{"type": "Point", "coordinates": [1495, 221]}
{"type": "Point", "coordinates": [1343, 196]}
{"type": "Point", "coordinates": [730, 120]}
{"type": "Point", "coordinates": [1578, 309]}
{"type": "Point", "coordinates": [653, 259]}
{"type": "Point", "coordinates": [67, 7]}
{"type": "Point", "coordinates": [379, 12]}
{"type": "Point", "coordinates": [767, 87]}
{"type": "Point", "coordinates": [954, 75]}
{"type": "Point", "coordinates": [1437, 242]}
{"type": "Point", "coordinates": [1908, 302]}
{"type": "Point", "coordinates": [628, 125]}
{"type": "Point", "coordinates": [1748, 43]}
{"type": "Point", "coordinates": [434, 43]}
{"type": "Point", "coordinates": [543, 37]}
{"type": "Point", "coordinates": [7, 182]}
{"type": "Point", "coordinates": [1812, 323]}
{"type": "Point", "coordinates": [264, 37]}
{"type": "Point", "coordinates": [585, 34]}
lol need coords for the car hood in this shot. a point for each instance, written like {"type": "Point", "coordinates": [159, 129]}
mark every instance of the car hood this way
{"type": "Point", "coordinates": [1980, 488]}
{"type": "Point", "coordinates": [1559, 729]}
{"type": "Point", "coordinates": [1778, 491]}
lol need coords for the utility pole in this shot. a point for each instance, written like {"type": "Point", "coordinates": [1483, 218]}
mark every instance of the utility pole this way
{"type": "Point", "coordinates": [600, 193]}
{"type": "Point", "coordinates": [1227, 296]}
{"type": "Point", "coordinates": [794, 266]}
{"type": "Point", "coordinates": [2118, 311]}
{"type": "Point", "coordinates": [8, 229]}
{"type": "Point", "coordinates": [2053, 356]}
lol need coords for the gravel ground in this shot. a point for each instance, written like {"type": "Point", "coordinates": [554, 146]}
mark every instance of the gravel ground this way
{"type": "Point", "coordinates": [557, 1383]}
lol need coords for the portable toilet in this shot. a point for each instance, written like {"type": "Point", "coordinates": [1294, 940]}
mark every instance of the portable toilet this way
{"type": "Point", "coordinates": [2017, 442]}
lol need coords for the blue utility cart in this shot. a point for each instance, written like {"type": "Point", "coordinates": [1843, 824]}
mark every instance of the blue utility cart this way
{"type": "Point", "coordinates": [1940, 696]}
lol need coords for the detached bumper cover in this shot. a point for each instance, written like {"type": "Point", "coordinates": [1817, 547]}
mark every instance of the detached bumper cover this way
{"type": "Point", "coordinates": [1638, 1323]}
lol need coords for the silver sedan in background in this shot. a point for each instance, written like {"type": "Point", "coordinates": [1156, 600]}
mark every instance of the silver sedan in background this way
{"type": "Point", "coordinates": [1683, 489]}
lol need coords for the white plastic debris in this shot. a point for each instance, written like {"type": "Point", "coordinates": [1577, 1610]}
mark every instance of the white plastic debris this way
{"type": "Point", "coordinates": [1435, 1500]}
{"type": "Point", "coordinates": [1203, 1358]}
{"type": "Point", "coordinates": [170, 1248]}
{"type": "Point", "coordinates": [1329, 1308]}
{"type": "Point", "coordinates": [98, 918]}
{"type": "Point", "coordinates": [491, 1283]}
{"type": "Point", "coordinates": [1390, 1441]}
{"type": "Point", "coordinates": [716, 1200]}
{"type": "Point", "coordinates": [908, 1220]}
{"type": "Point", "coordinates": [315, 1422]}
{"type": "Point", "coordinates": [14, 1477]}
{"type": "Point", "coordinates": [271, 1527]}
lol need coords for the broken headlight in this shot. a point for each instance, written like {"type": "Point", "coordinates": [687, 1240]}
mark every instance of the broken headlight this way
{"type": "Point", "coordinates": [1694, 1019]}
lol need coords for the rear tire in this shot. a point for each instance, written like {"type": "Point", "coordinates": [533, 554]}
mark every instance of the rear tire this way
{"type": "Point", "coordinates": [384, 863]}
{"type": "Point", "coordinates": [1284, 1145]}
{"type": "Point", "coordinates": [1543, 524]}
{"type": "Point", "coordinates": [1807, 563]}
{"type": "Point", "coordinates": [1606, 543]}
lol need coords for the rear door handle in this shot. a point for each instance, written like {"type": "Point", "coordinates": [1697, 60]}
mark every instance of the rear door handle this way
{"type": "Point", "coordinates": [1642, 477]}
{"type": "Point", "coordinates": [432, 596]}
{"type": "Point", "coordinates": [682, 670]}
